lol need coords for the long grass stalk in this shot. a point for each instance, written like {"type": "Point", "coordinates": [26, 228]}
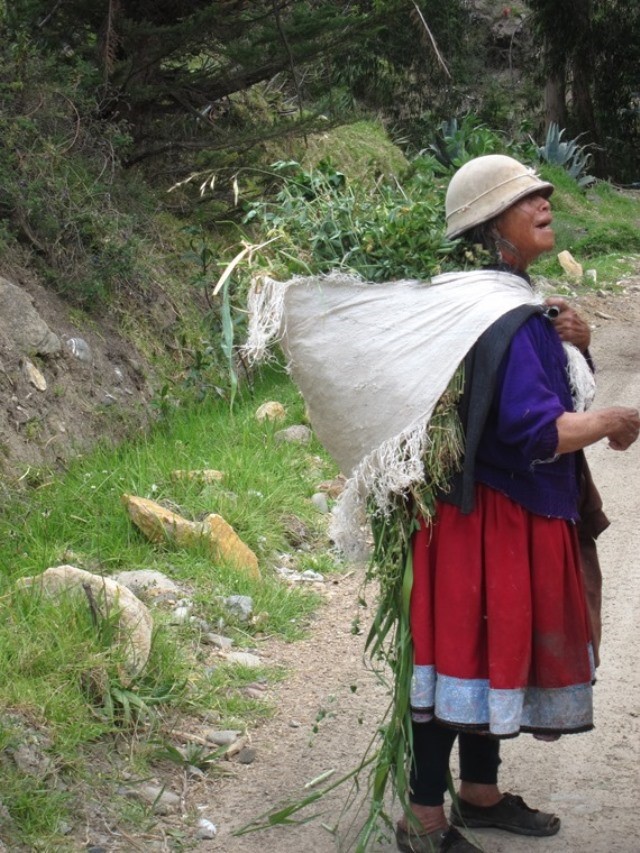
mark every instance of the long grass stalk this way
{"type": "Point", "coordinates": [388, 644]}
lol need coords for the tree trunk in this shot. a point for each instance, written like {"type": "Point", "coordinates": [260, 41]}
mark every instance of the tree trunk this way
{"type": "Point", "coordinates": [555, 104]}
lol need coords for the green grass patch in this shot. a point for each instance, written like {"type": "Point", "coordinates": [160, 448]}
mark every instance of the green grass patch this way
{"type": "Point", "coordinates": [600, 228]}
{"type": "Point", "coordinates": [362, 150]}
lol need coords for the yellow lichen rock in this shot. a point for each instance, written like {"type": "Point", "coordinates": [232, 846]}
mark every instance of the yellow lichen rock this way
{"type": "Point", "coordinates": [226, 542]}
{"type": "Point", "coordinates": [271, 411]}
{"type": "Point", "coordinates": [159, 524]}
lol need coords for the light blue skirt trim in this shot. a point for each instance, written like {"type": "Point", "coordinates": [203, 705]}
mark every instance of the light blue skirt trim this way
{"type": "Point", "coordinates": [472, 702]}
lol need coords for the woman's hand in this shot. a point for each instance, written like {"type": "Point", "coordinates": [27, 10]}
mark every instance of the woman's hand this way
{"type": "Point", "coordinates": [625, 430]}
{"type": "Point", "coordinates": [569, 324]}
{"type": "Point", "coordinates": [620, 424]}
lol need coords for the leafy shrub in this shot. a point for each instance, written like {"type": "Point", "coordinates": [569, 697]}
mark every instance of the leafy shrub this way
{"type": "Point", "coordinates": [322, 222]}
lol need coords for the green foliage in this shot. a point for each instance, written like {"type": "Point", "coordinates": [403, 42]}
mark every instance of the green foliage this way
{"type": "Point", "coordinates": [59, 195]}
{"type": "Point", "coordinates": [600, 226]}
{"type": "Point", "coordinates": [406, 56]}
{"type": "Point", "coordinates": [36, 810]}
{"type": "Point", "coordinates": [572, 156]}
{"type": "Point", "coordinates": [191, 755]}
{"type": "Point", "coordinates": [323, 222]}
{"type": "Point", "coordinates": [225, 320]}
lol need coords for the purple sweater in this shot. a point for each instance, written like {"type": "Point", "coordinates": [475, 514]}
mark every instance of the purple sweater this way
{"type": "Point", "coordinates": [516, 454]}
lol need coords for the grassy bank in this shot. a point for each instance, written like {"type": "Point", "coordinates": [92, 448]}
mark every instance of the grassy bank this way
{"type": "Point", "coordinates": [62, 672]}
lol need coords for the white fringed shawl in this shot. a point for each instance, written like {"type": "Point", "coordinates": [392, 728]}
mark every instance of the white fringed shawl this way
{"type": "Point", "coordinates": [372, 361]}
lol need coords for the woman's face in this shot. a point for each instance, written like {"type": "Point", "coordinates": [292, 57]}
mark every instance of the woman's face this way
{"type": "Point", "coordinates": [526, 226]}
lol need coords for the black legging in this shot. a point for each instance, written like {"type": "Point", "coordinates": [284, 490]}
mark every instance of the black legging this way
{"type": "Point", "coordinates": [432, 745]}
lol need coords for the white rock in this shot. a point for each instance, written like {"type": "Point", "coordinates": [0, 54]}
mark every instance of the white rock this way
{"type": "Point", "coordinates": [206, 829]}
{"type": "Point", "coordinates": [223, 738]}
{"type": "Point", "coordinates": [33, 375]}
{"type": "Point", "coordinates": [180, 615]}
{"type": "Point", "coordinates": [243, 658]}
{"type": "Point", "coordinates": [146, 580]}
{"type": "Point", "coordinates": [240, 606]}
{"type": "Point", "coordinates": [310, 575]}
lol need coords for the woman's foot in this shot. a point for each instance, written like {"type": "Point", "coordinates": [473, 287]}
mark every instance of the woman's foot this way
{"type": "Point", "coordinates": [510, 813]}
{"type": "Point", "coordinates": [432, 835]}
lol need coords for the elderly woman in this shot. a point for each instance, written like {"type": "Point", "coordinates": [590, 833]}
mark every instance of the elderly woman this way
{"type": "Point", "coordinates": [500, 630]}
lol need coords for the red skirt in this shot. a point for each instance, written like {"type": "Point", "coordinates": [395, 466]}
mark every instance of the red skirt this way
{"type": "Point", "coordinates": [499, 621]}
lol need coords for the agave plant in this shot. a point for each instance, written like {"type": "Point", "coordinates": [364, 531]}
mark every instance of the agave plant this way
{"type": "Point", "coordinates": [574, 158]}
{"type": "Point", "coordinates": [454, 142]}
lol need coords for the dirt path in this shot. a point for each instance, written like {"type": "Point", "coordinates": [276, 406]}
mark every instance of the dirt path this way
{"type": "Point", "coordinates": [591, 780]}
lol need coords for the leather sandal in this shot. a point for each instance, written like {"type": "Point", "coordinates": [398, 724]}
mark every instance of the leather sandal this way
{"type": "Point", "coordinates": [441, 841]}
{"type": "Point", "coordinates": [511, 813]}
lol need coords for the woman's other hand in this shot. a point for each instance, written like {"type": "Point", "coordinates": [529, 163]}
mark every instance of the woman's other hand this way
{"type": "Point", "coordinates": [619, 424]}
{"type": "Point", "coordinates": [626, 428]}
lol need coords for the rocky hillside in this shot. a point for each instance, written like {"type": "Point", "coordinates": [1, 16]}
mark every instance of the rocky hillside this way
{"type": "Point", "coordinates": [64, 384]}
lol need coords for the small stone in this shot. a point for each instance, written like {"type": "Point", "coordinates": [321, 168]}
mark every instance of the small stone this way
{"type": "Point", "coordinates": [217, 640]}
{"type": "Point", "coordinates": [241, 606]}
{"type": "Point", "coordinates": [311, 576]}
{"type": "Point", "coordinates": [568, 263]}
{"type": "Point", "coordinates": [254, 692]}
{"type": "Point", "coordinates": [297, 434]}
{"type": "Point", "coordinates": [80, 348]}
{"type": "Point", "coordinates": [194, 772]}
{"type": "Point", "coordinates": [163, 801]}
{"type": "Point", "coordinates": [181, 615]}
{"type": "Point", "coordinates": [141, 581]}
{"type": "Point", "coordinates": [320, 502]}
{"type": "Point", "coordinates": [294, 724]}
{"type": "Point", "coordinates": [247, 755]}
